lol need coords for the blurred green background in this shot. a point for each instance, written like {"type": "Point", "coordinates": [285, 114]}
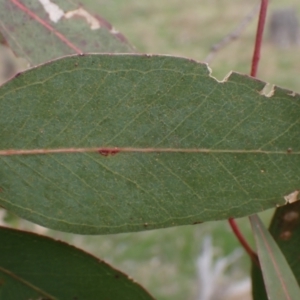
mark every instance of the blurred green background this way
{"type": "Point", "coordinates": [164, 261]}
{"type": "Point", "coordinates": [189, 28]}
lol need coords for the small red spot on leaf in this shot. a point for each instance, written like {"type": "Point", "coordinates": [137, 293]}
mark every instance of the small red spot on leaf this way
{"type": "Point", "coordinates": [286, 235]}
{"type": "Point", "coordinates": [108, 151]}
{"type": "Point", "coordinates": [291, 216]}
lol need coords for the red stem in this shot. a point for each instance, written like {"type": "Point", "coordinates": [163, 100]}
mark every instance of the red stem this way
{"type": "Point", "coordinates": [242, 241]}
{"type": "Point", "coordinates": [259, 36]}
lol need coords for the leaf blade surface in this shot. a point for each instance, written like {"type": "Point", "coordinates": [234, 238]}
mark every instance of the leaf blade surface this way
{"type": "Point", "coordinates": [240, 164]}
{"type": "Point", "coordinates": [33, 266]}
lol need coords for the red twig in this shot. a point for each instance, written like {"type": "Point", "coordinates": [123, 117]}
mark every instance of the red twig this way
{"type": "Point", "coordinates": [242, 241]}
{"type": "Point", "coordinates": [259, 36]}
{"type": "Point", "coordinates": [46, 25]}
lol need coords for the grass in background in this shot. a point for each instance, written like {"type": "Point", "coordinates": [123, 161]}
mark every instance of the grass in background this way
{"type": "Point", "coordinates": [189, 28]}
{"type": "Point", "coordinates": [164, 261]}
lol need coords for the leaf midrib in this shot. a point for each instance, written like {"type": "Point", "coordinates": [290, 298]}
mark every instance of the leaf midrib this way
{"type": "Point", "coordinates": [27, 283]}
{"type": "Point", "coordinates": [115, 150]}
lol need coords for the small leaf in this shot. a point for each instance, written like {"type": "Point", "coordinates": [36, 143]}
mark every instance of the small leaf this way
{"type": "Point", "coordinates": [279, 280]}
{"type": "Point", "coordinates": [43, 30]}
{"type": "Point", "coordinates": [36, 267]}
{"type": "Point", "coordinates": [285, 230]}
{"type": "Point", "coordinates": [118, 143]}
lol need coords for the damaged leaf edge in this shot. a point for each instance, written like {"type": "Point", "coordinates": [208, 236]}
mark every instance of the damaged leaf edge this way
{"type": "Point", "coordinates": [55, 14]}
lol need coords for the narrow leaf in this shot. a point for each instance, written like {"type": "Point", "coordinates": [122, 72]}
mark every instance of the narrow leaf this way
{"type": "Point", "coordinates": [117, 143]}
{"type": "Point", "coordinates": [285, 230]}
{"type": "Point", "coordinates": [43, 30]}
{"type": "Point", "coordinates": [258, 285]}
{"type": "Point", "coordinates": [279, 280]}
{"type": "Point", "coordinates": [37, 267]}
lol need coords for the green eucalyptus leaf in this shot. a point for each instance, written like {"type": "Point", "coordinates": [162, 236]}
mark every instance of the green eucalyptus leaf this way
{"type": "Point", "coordinates": [37, 267]}
{"type": "Point", "coordinates": [116, 143]}
{"type": "Point", "coordinates": [278, 277]}
{"type": "Point", "coordinates": [43, 30]}
{"type": "Point", "coordinates": [285, 230]}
